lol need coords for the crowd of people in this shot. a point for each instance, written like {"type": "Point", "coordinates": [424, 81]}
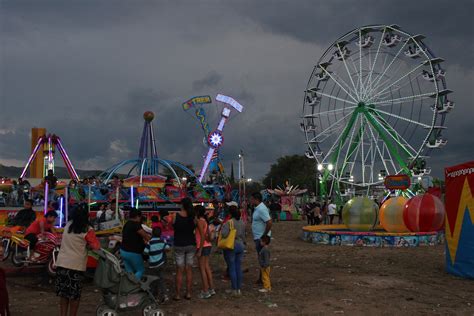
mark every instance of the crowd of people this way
{"type": "Point", "coordinates": [195, 238]}
{"type": "Point", "coordinates": [322, 213]}
{"type": "Point", "coordinates": [191, 235]}
{"type": "Point", "coordinates": [21, 189]}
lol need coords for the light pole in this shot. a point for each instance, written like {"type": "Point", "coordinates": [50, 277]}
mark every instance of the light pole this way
{"type": "Point", "coordinates": [242, 193]}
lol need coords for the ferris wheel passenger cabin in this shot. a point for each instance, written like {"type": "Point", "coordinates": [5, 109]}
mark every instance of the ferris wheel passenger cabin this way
{"type": "Point", "coordinates": [390, 40]}
{"type": "Point", "coordinates": [310, 127]}
{"type": "Point", "coordinates": [438, 74]}
{"type": "Point", "coordinates": [414, 49]}
{"type": "Point", "coordinates": [322, 76]}
{"type": "Point", "coordinates": [438, 143]}
{"type": "Point", "coordinates": [414, 52]}
{"type": "Point", "coordinates": [365, 41]}
{"type": "Point", "coordinates": [445, 107]}
{"type": "Point", "coordinates": [342, 52]}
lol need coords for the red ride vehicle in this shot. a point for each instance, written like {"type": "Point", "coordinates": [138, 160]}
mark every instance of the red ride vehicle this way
{"type": "Point", "coordinates": [44, 253]}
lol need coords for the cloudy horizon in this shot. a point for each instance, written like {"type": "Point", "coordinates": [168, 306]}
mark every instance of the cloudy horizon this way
{"type": "Point", "coordinates": [87, 70]}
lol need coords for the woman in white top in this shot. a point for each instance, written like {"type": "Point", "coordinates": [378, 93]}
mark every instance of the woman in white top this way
{"type": "Point", "coordinates": [78, 236]}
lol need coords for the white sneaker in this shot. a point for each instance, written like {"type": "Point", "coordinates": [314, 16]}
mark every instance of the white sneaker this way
{"type": "Point", "coordinates": [236, 293]}
{"type": "Point", "coordinates": [204, 295]}
{"type": "Point", "coordinates": [212, 292]}
{"type": "Point", "coordinates": [264, 291]}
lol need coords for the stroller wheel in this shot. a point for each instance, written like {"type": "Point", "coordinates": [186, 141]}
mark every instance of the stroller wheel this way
{"type": "Point", "coordinates": [152, 310]}
{"type": "Point", "coordinates": [104, 310]}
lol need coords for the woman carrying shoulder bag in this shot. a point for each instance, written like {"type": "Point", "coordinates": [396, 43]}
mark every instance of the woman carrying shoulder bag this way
{"type": "Point", "coordinates": [234, 256]}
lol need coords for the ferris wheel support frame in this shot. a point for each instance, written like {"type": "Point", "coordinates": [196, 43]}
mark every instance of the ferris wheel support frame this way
{"type": "Point", "coordinates": [384, 131]}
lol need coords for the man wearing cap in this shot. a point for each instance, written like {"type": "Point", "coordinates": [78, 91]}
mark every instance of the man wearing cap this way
{"type": "Point", "coordinates": [261, 222]}
{"type": "Point", "coordinates": [232, 204]}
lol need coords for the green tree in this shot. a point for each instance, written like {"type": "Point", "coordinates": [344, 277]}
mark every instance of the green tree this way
{"type": "Point", "coordinates": [296, 169]}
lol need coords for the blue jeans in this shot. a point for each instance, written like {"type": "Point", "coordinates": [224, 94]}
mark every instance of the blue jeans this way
{"type": "Point", "coordinates": [234, 262]}
{"type": "Point", "coordinates": [133, 263]}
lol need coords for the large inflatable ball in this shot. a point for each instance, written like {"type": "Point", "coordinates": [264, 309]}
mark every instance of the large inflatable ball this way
{"type": "Point", "coordinates": [391, 215]}
{"type": "Point", "coordinates": [424, 213]}
{"type": "Point", "coordinates": [360, 214]}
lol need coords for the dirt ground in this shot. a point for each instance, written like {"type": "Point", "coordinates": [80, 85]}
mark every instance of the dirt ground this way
{"type": "Point", "coordinates": [307, 279]}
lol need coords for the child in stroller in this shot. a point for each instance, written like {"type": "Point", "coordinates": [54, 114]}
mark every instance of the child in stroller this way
{"type": "Point", "coordinates": [122, 291]}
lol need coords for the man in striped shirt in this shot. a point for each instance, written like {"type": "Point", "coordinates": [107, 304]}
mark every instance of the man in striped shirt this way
{"type": "Point", "coordinates": [156, 250]}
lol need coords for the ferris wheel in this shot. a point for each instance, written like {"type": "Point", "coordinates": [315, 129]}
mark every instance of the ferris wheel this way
{"type": "Point", "coordinates": [375, 105]}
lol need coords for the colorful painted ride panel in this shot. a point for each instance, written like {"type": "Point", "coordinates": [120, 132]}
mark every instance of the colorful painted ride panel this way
{"type": "Point", "coordinates": [336, 236]}
{"type": "Point", "coordinates": [459, 201]}
{"type": "Point", "coordinates": [289, 216]}
{"type": "Point", "coordinates": [288, 203]}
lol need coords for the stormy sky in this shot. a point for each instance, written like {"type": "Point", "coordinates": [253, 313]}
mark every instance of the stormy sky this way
{"type": "Point", "coordinates": [87, 70]}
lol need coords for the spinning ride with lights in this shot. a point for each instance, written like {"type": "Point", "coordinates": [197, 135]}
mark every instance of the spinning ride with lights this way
{"type": "Point", "coordinates": [213, 139]}
{"type": "Point", "coordinates": [49, 143]}
{"type": "Point", "coordinates": [375, 105]}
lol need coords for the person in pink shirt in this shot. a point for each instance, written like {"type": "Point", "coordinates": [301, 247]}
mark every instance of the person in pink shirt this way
{"type": "Point", "coordinates": [165, 225]}
{"type": "Point", "coordinates": [204, 247]}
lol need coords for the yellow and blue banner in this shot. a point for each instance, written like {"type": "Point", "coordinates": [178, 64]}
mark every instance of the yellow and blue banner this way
{"type": "Point", "coordinates": [459, 201]}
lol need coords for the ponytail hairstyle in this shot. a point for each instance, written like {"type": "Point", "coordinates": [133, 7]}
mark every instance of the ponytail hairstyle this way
{"type": "Point", "coordinates": [234, 212]}
{"type": "Point", "coordinates": [187, 206]}
{"type": "Point", "coordinates": [201, 212]}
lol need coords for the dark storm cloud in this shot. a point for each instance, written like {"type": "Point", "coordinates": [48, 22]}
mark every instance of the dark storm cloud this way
{"type": "Point", "coordinates": [448, 25]}
{"type": "Point", "coordinates": [87, 70]}
{"type": "Point", "coordinates": [211, 80]}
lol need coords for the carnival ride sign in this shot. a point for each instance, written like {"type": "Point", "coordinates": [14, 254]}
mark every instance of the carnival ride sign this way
{"type": "Point", "coordinates": [205, 99]}
{"type": "Point", "coordinates": [397, 182]}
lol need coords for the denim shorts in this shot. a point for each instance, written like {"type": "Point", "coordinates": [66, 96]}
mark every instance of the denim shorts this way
{"type": "Point", "coordinates": [206, 251]}
{"type": "Point", "coordinates": [184, 256]}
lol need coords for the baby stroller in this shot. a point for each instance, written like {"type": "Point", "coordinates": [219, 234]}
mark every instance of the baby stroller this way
{"type": "Point", "coordinates": [121, 291]}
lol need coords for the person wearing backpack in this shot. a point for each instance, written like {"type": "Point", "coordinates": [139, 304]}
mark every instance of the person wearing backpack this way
{"type": "Point", "coordinates": [204, 247]}
{"type": "Point", "coordinates": [234, 256]}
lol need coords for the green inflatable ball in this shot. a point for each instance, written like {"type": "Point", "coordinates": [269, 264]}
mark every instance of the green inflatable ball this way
{"type": "Point", "coordinates": [360, 214]}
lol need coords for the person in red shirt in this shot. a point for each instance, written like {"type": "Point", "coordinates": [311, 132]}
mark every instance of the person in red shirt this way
{"type": "Point", "coordinates": [45, 224]}
{"type": "Point", "coordinates": [165, 225]}
{"type": "Point", "coordinates": [155, 223]}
